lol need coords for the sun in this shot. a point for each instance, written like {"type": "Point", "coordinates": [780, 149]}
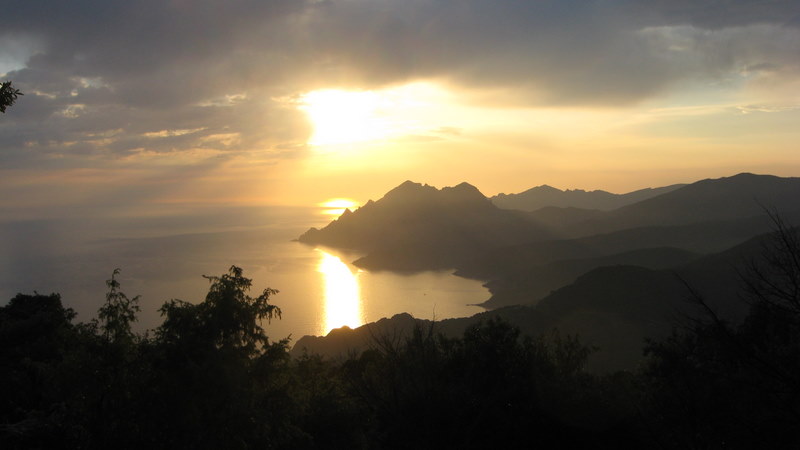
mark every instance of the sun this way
{"type": "Point", "coordinates": [342, 117]}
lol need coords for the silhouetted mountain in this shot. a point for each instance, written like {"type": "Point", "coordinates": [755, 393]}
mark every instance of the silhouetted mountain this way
{"type": "Point", "coordinates": [417, 227]}
{"type": "Point", "coordinates": [739, 196]}
{"type": "Point", "coordinates": [544, 196]}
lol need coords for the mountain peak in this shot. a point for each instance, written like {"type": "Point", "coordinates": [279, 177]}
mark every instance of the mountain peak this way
{"type": "Point", "coordinates": [408, 189]}
{"type": "Point", "coordinates": [464, 185]}
{"type": "Point", "coordinates": [410, 192]}
{"type": "Point", "coordinates": [408, 184]}
{"type": "Point", "coordinates": [463, 191]}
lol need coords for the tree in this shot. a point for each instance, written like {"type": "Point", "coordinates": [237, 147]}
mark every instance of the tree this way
{"type": "Point", "coordinates": [227, 319]}
{"type": "Point", "coordinates": [492, 387]}
{"type": "Point", "coordinates": [221, 383]}
{"type": "Point", "coordinates": [37, 338]}
{"type": "Point", "coordinates": [736, 385]}
{"type": "Point", "coordinates": [8, 95]}
{"type": "Point", "coordinates": [117, 313]}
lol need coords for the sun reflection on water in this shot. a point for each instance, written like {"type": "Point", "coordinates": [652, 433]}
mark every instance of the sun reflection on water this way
{"type": "Point", "coordinates": [342, 293]}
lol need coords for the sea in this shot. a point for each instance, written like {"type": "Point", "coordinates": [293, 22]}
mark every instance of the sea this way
{"type": "Point", "coordinates": [165, 255]}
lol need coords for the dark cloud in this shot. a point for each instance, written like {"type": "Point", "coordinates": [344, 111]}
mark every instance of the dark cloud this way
{"type": "Point", "coordinates": [554, 52]}
{"type": "Point", "coordinates": [716, 14]}
{"type": "Point", "coordinates": [113, 77]}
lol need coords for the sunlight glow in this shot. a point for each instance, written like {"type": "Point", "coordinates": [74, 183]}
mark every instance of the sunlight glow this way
{"type": "Point", "coordinates": [342, 293]}
{"type": "Point", "coordinates": [348, 117]}
{"type": "Point", "coordinates": [336, 206]}
{"type": "Point", "coordinates": [342, 117]}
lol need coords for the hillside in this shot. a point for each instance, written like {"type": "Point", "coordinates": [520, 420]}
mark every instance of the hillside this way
{"type": "Point", "coordinates": [702, 238]}
{"type": "Point", "coordinates": [527, 286]}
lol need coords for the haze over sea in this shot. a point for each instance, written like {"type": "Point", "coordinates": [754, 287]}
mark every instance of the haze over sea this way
{"type": "Point", "coordinates": [163, 256]}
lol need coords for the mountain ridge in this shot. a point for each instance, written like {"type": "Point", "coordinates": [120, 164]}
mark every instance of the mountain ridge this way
{"type": "Point", "coordinates": [547, 196]}
{"type": "Point", "coordinates": [419, 227]}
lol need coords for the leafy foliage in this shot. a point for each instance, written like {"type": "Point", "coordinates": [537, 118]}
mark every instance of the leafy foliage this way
{"type": "Point", "coordinates": [117, 314]}
{"type": "Point", "coordinates": [227, 319]}
{"type": "Point", "coordinates": [35, 334]}
{"type": "Point", "coordinates": [490, 386]}
{"type": "Point", "coordinates": [736, 385]}
{"type": "Point", "coordinates": [8, 95]}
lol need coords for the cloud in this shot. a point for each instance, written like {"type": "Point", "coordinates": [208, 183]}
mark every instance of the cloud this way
{"type": "Point", "coordinates": [556, 52]}
{"type": "Point", "coordinates": [716, 14]}
{"type": "Point", "coordinates": [111, 74]}
{"type": "Point", "coordinates": [112, 78]}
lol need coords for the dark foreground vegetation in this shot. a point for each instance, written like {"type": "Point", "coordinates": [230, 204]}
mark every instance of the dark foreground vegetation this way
{"type": "Point", "coordinates": [209, 377]}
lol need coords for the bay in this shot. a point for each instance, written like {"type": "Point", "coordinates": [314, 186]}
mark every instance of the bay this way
{"type": "Point", "coordinates": [164, 256]}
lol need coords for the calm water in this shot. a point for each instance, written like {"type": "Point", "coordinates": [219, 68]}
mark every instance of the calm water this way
{"type": "Point", "coordinates": [319, 289]}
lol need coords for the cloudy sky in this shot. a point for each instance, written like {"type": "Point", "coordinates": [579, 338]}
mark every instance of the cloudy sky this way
{"type": "Point", "coordinates": [137, 105]}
